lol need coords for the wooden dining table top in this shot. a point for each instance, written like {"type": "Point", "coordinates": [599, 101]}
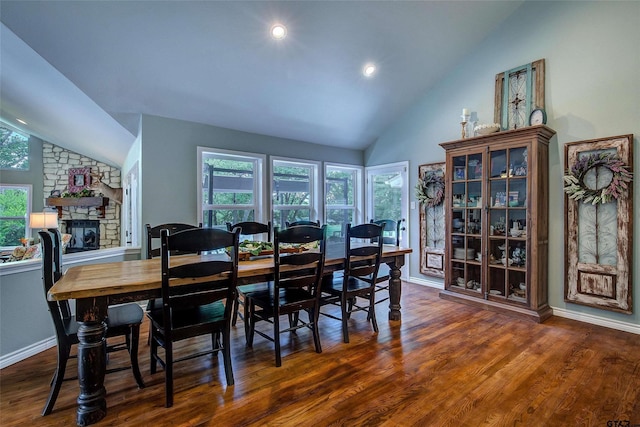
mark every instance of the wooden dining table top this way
{"type": "Point", "coordinates": [116, 278]}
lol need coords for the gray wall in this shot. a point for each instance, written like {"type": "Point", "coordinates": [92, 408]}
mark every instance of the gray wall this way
{"type": "Point", "coordinates": [169, 162]}
{"type": "Point", "coordinates": [592, 91]}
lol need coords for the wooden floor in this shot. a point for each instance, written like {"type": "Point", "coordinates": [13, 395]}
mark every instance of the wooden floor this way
{"type": "Point", "coordinates": [444, 364]}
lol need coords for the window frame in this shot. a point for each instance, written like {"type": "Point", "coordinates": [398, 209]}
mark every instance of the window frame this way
{"type": "Point", "coordinates": [27, 230]}
{"type": "Point", "coordinates": [315, 189]}
{"type": "Point", "coordinates": [358, 196]}
{"type": "Point", "coordinates": [259, 201]}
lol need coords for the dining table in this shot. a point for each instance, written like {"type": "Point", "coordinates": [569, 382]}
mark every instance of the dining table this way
{"type": "Point", "coordinates": [96, 286]}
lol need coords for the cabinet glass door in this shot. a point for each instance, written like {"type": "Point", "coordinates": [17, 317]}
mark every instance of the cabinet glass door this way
{"type": "Point", "coordinates": [508, 249]}
{"type": "Point", "coordinates": [466, 223]}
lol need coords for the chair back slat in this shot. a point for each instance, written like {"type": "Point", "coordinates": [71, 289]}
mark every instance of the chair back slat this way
{"type": "Point", "coordinates": [251, 228]}
{"type": "Point", "coordinates": [153, 234]}
{"type": "Point", "coordinates": [391, 226]}
{"type": "Point", "coordinates": [302, 222]}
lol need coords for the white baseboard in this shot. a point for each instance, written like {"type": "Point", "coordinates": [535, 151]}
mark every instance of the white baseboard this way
{"type": "Point", "coordinates": [435, 283]}
{"type": "Point", "coordinates": [596, 320]}
{"type": "Point", "coordinates": [26, 352]}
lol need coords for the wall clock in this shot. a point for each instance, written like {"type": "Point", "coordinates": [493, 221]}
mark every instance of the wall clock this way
{"type": "Point", "coordinates": [538, 117]}
{"type": "Point", "coordinates": [518, 92]}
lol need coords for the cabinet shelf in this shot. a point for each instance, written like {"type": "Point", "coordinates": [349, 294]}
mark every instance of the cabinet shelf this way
{"type": "Point", "coordinates": [504, 168]}
{"type": "Point", "coordinates": [61, 202]}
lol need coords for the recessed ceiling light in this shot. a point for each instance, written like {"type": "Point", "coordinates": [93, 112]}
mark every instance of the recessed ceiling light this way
{"type": "Point", "coordinates": [369, 70]}
{"type": "Point", "coordinates": [21, 121]}
{"type": "Point", "coordinates": [278, 31]}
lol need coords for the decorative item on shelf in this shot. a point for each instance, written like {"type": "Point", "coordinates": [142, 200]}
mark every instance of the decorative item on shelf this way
{"type": "Point", "coordinates": [487, 128]}
{"type": "Point", "coordinates": [518, 91]}
{"type": "Point", "coordinates": [114, 194]}
{"type": "Point", "coordinates": [79, 179]}
{"type": "Point", "coordinates": [578, 190]}
{"type": "Point", "coordinates": [82, 193]}
{"type": "Point", "coordinates": [538, 117]}
{"type": "Point", "coordinates": [430, 189]}
{"type": "Point", "coordinates": [519, 256]}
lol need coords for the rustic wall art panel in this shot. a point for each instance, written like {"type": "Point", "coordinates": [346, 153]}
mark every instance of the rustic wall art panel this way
{"type": "Point", "coordinates": [430, 193]}
{"type": "Point", "coordinates": [598, 223]}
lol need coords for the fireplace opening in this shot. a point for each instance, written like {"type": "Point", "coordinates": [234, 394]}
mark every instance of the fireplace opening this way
{"type": "Point", "coordinates": [85, 235]}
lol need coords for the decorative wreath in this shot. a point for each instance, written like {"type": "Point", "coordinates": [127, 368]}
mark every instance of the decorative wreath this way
{"type": "Point", "coordinates": [430, 189]}
{"type": "Point", "coordinates": [576, 188]}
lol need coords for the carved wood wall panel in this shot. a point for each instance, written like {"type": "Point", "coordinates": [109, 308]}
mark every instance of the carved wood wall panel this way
{"type": "Point", "coordinates": [599, 237]}
{"type": "Point", "coordinates": [432, 234]}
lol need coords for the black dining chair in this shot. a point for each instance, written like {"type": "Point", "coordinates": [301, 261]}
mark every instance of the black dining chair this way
{"type": "Point", "coordinates": [248, 228]}
{"type": "Point", "coordinates": [302, 222]}
{"type": "Point", "coordinates": [122, 321]}
{"type": "Point", "coordinates": [363, 251]}
{"type": "Point", "coordinates": [296, 287]}
{"type": "Point", "coordinates": [153, 250]}
{"type": "Point", "coordinates": [153, 236]}
{"type": "Point", "coordinates": [394, 228]}
{"type": "Point", "coordinates": [202, 302]}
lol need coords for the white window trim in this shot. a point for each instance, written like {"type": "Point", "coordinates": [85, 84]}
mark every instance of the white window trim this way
{"type": "Point", "coordinates": [258, 190]}
{"type": "Point", "coordinates": [359, 188]}
{"type": "Point", "coordinates": [316, 209]}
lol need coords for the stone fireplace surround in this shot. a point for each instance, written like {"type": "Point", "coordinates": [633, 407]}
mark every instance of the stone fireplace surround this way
{"type": "Point", "coordinates": [57, 162]}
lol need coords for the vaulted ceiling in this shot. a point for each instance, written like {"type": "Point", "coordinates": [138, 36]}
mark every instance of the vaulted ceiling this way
{"type": "Point", "coordinates": [80, 73]}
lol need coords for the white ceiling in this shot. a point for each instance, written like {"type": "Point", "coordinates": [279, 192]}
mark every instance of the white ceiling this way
{"type": "Point", "coordinates": [100, 64]}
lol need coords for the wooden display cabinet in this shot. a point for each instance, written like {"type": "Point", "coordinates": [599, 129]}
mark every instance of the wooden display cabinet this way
{"type": "Point", "coordinates": [496, 221]}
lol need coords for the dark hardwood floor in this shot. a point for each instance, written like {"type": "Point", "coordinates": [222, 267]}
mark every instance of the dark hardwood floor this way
{"type": "Point", "coordinates": [444, 364]}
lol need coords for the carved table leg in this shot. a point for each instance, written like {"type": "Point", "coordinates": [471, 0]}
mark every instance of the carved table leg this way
{"type": "Point", "coordinates": [92, 364]}
{"type": "Point", "coordinates": [395, 288]}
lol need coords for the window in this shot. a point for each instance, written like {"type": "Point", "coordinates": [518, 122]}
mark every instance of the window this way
{"type": "Point", "coordinates": [14, 149]}
{"type": "Point", "coordinates": [294, 191]}
{"type": "Point", "coordinates": [230, 187]}
{"type": "Point", "coordinates": [388, 194]}
{"type": "Point", "coordinates": [343, 198]}
{"type": "Point", "coordinates": [15, 205]}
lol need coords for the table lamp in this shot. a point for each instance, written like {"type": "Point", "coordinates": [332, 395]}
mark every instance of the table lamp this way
{"type": "Point", "coordinates": [43, 220]}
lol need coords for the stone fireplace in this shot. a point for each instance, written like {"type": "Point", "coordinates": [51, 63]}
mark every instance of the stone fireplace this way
{"type": "Point", "coordinates": [57, 162]}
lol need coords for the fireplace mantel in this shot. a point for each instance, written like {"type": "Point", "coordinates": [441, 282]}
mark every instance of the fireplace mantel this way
{"type": "Point", "coordinates": [60, 202]}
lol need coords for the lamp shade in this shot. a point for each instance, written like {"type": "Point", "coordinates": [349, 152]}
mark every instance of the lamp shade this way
{"type": "Point", "coordinates": [43, 220]}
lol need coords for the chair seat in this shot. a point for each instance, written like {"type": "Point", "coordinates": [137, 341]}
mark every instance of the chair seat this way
{"type": "Point", "coordinates": [254, 287]}
{"type": "Point", "coordinates": [119, 319]}
{"type": "Point", "coordinates": [188, 317]}
{"type": "Point", "coordinates": [288, 298]}
{"type": "Point", "coordinates": [353, 284]}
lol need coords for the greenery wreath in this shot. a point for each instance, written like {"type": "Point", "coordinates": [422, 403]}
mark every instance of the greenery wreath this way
{"type": "Point", "coordinates": [430, 189]}
{"type": "Point", "coordinates": [576, 188]}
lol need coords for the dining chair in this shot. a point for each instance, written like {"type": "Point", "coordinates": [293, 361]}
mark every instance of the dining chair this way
{"type": "Point", "coordinates": [122, 321]}
{"type": "Point", "coordinates": [153, 236]}
{"type": "Point", "coordinates": [394, 228]}
{"type": "Point", "coordinates": [153, 250]}
{"type": "Point", "coordinates": [201, 305]}
{"type": "Point", "coordinates": [302, 222]}
{"type": "Point", "coordinates": [248, 228]}
{"type": "Point", "coordinates": [296, 287]}
{"type": "Point", "coordinates": [363, 251]}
